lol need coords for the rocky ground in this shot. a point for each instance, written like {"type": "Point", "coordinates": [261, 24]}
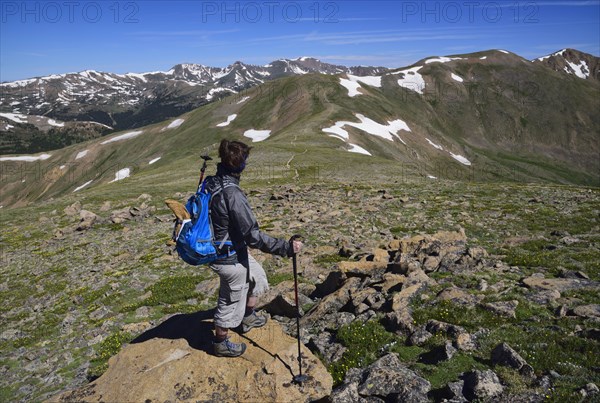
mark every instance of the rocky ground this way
{"type": "Point", "coordinates": [410, 290]}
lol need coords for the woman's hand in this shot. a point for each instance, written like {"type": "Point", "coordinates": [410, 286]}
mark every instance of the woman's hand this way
{"type": "Point", "coordinates": [297, 246]}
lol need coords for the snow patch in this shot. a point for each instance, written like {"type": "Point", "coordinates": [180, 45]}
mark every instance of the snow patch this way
{"type": "Point", "coordinates": [81, 154]}
{"type": "Point", "coordinates": [19, 83]}
{"type": "Point", "coordinates": [138, 76]}
{"type": "Point", "coordinates": [461, 159]}
{"type": "Point", "coordinates": [125, 136]}
{"type": "Point", "coordinates": [77, 189]}
{"type": "Point", "coordinates": [483, 58]}
{"type": "Point", "coordinates": [121, 174]}
{"type": "Point", "coordinates": [213, 91]}
{"type": "Point", "coordinates": [374, 81]}
{"type": "Point", "coordinates": [435, 145]}
{"type": "Point", "coordinates": [387, 132]}
{"type": "Point", "coordinates": [580, 70]}
{"type": "Point", "coordinates": [431, 177]}
{"type": "Point", "coordinates": [351, 86]}
{"type": "Point", "coordinates": [154, 160]}
{"type": "Point", "coordinates": [230, 119]}
{"type": "Point", "coordinates": [559, 53]}
{"type": "Point", "coordinates": [337, 131]}
{"type": "Point", "coordinates": [358, 149]}
{"type": "Point", "coordinates": [457, 78]}
{"type": "Point", "coordinates": [503, 51]}
{"type": "Point", "coordinates": [27, 158]}
{"type": "Point", "coordinates": [352, 83]}
{"type": "Point", "coordinates": [97, 123]}
{"type": "Point", "coordinates": [15, 117]}
{"type": "Point", "coordinates": [257, 135]}
{"type": "Point", "coordinates": [53, 122]}
{"type": "Point", "coordinates": [412, 80]}
{"type": "Point", "coordinates": [298, 70]}
{"type": "Point", "coordinates": [241, 101]}
{"type": "Point", "coordinates": [174, 124]}
{"type": "Point", "coordinates": [442, 59]}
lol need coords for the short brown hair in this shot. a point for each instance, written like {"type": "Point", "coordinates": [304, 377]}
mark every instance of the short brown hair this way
{"type": "Point", "coordinates": [233, 153]}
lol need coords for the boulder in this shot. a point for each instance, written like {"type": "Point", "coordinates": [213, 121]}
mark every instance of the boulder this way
{"type": "Point", "coordinates": [439, 354]}
{"type": "Point", "coordinates": [120, 216]}
{"type": "Point", "coordinates": [280, 300]}
{"type": "Point", "coordinates": [459, 296]}
{"type": "Point", "coordinates": [385, 379]}
{"type": "Point", "coordinates": [503, 354]}
{"type": "Point", "coordinates": [381, 256]}
{"type": "Point", "coordinates": [73, 209]}
{"type": "Point", "coordinates": [544, 297]}
{"type": "Point", "coordinates": [435, 326]}
{"type": "Point", "coordinates": [560, 284]}
{"type": "Point", "coordinates": [587, 311]}
{"type": "Point", "coordinates": [362, 268]}
{"type": "Point", "coordinates": [332, 302]}
{"type": "Point", "coordinates": [591, 389]}
{"type": "Point", "coordinates": [324, 343]}
{"type": "Point", "coordinates": [593, 334]}
{"type": "Point", "coordinates": [87, 219]}
{"type": "Point", "coordinates": [465, 342]}
{"type": "Point", "coordinates": [392, 282]}
{"type": "Point", "coordinates": [453, 392]}
{"type": "Point", "coordinates": [281, 305]}
{"type": "Point", "coordinates": [169, 369]}
{"type": "Point", "coordinates": [401, 300]}
{"type": "Point", "coordinates": [419, 277]}
{"type": "Point", "coordinates": [333, 321]}
{"type": "Point", "coordinates": [503, 308]}
{"type": "Point", "coordinates": [332, 282]}
{"type": "Point", "coordinates": [482, 385]}
{"type": "Point", "coordinates": [419, 337]}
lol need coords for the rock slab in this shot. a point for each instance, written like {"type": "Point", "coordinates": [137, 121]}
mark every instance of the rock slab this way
{"type": "Point", "coordinates": [161, 370]}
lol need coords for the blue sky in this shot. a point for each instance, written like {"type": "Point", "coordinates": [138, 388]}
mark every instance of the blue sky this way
{"type": "Point", "coordinates": [50, 37]}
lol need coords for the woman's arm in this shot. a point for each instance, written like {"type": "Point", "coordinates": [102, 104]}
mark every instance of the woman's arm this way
{"type": "Point", "coordinates": [242, 217]}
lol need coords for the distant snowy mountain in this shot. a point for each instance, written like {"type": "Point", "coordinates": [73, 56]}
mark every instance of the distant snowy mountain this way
{"type": "Point", "coordinates": [571, 61]}
{"type": "Point", "coordinates": [124, 101]}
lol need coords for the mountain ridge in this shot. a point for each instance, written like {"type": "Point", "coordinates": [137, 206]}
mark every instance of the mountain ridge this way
{"type": "Point", "coordinates": [133, 100]}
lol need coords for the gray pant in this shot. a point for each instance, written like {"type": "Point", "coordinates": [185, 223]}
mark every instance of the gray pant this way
{"type": "Point", "coordinates": [233, 290]}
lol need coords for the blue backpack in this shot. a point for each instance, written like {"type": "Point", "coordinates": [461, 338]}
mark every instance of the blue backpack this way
{"type": "Point", "coordinates": [195, 241]}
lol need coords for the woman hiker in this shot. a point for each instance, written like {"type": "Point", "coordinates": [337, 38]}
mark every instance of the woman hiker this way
{"type": "Point", "coordinates": [242, 278]}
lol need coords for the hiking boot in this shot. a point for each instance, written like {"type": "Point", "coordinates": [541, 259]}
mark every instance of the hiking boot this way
{"type": "Point", "coordinates": [227, 348]}
{"type": "Point", "coordinates": [251, 321]}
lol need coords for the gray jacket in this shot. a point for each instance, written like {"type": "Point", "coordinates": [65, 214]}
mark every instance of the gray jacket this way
{"type": "Point", "coordinates": [239, 224]}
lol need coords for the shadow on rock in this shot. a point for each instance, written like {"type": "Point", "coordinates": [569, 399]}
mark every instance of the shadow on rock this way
{"type": "Point", "coordinates": [196, 328]}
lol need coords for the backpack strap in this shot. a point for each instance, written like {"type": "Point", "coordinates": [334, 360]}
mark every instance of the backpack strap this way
{"type": "Point", "coordinates": [226, 238]}
{"type": "Point", "coordinates": [228, 212]}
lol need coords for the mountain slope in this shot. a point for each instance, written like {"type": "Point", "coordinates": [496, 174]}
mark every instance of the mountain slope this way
{"type": "Point", "coordinates": [481, 117]}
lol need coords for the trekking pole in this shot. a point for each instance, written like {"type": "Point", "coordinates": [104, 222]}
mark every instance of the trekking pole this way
{"type": "Point", "coordinates": [205, 158]}
{"type": "Point", "coordinates": [298, 378]}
